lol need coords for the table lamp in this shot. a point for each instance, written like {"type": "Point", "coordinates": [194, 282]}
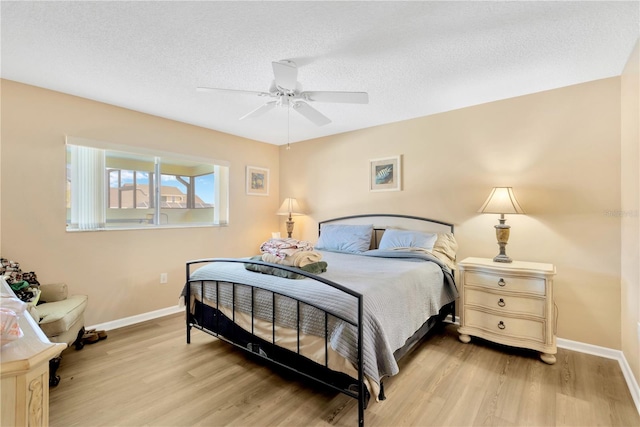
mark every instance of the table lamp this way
{"type": "Point", "coordinates": [289, 207]}
{"type": "Point", "coordinates": [502, 201]}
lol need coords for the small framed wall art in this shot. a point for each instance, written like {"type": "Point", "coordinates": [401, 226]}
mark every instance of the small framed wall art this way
{"type": "Point", "coordinates": [257, 181]}
{"type": "Point", "coordinates": [385, 174]}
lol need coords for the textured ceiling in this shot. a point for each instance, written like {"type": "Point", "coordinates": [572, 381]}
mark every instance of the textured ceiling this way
{"type": "Point", "coordinates": [413, 58]}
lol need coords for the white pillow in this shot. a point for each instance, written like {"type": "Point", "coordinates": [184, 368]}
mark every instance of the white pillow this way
{"type": "Point", "coordinates": [394, 238]}
{"type": "Point", "coordinates": [345, 238]}
{"type": "Point", "coordinates": [445, 249]}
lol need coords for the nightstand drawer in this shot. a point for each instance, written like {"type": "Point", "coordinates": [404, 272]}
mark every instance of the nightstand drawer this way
{"type": "Point", "coordinates": [505, 303]}
{"type": "Point", "coordinates": [505, 326]}
{"type": "Point", "coordinates": [504, 282]}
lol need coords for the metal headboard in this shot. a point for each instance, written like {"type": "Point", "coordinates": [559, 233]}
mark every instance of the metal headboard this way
{"type": "Point", "coordinates": [383, 221]}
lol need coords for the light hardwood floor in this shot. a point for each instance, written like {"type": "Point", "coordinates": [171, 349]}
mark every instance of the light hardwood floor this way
{"type": "Point", "coordinates": [146, 375]}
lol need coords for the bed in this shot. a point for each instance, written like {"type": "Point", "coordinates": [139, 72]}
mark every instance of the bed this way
{"type": "Point", "coordinates": [388, 282]}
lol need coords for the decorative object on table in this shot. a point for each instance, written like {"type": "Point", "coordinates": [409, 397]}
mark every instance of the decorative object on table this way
{"type": "Point", "coordinates": [257, 181]}
{"type": "Point", "coordinates": [290, 207]}
{"type": "Point", "coordinates": [502, 201]}
{"type": "Point", "coordinates": [11, 309]}
{"type": "Point", "coordinates": [385, 174]}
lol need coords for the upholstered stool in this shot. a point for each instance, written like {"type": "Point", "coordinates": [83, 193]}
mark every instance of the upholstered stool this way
{"type": "Point", "coordinates": [61, 318]}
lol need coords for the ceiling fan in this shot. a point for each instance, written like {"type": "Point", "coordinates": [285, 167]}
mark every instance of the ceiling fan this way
{"type": "Point", "coordinates": [286, 91]}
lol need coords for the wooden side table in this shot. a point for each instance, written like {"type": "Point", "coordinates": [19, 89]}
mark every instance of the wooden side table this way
{"type": "Point", "coordinates": [509, 303]}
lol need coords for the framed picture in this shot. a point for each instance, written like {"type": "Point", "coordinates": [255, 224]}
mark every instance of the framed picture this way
{"type": "Point", "coordinates": [385, 174]}
{"type": "Point", "coordinates": [257, 181]}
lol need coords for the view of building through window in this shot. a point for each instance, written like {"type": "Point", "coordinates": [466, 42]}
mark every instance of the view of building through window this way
{"type": "Point", "coordinates": [135, 189]}
{"type": "Point", "coordinates": [115, 189]}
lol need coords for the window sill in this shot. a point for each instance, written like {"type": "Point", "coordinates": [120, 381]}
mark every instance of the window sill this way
{"type": "Point", "coordinates": [148, 227]}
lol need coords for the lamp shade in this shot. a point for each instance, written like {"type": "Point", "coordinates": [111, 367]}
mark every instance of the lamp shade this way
{"type": "Point", "coordinates": [501, 201]}
{"type": "Point", "coordinates": [290, 207]}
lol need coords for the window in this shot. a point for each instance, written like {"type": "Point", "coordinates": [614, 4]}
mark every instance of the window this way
{"type": "Point", "coordinates": [116, 187]}
{"type": "Point", "coordinates": [130, 189]}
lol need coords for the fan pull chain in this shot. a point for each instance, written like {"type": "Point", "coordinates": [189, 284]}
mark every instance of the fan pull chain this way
{"type": "Point", "coordinates": [288, 127]}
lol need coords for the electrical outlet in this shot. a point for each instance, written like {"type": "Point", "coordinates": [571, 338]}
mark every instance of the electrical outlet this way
{"type": "Point", "coordinates": [163, 278]}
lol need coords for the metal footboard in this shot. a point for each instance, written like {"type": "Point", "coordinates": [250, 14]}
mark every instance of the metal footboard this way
{"type": "Point", "coordinates": [277, 354]}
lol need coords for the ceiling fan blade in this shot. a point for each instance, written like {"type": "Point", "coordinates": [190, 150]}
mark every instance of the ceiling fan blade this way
{"type": "Point", "coordinates": [286, 74]}
{"type": "Point", "coordinates": [239, 91]}
{"type": "Point", "coordinates": [338, 97]}
{"type": "Point", "coordinates": [311, 113]}
{"type": "Point", "coordinates": [260, 110]}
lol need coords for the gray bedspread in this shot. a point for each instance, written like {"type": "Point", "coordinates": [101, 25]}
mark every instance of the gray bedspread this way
{"type": "Point", "coordinates": [401, 291]}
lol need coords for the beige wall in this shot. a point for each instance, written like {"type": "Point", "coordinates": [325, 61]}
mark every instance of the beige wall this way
{"type": "Point", "coordinates": [559, 149]}
{"type": "Point", "coordinates": [118, 270]}
{"type": "Point", "coordinates": [630, 208]}
{"type": "Point", "coordinates": [0, 169]}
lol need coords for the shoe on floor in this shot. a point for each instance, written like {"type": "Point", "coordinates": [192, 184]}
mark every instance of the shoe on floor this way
{"type": "Point", "coordinates": [90, 337]}
{"type": "Point", "coordinates": [102, 335]}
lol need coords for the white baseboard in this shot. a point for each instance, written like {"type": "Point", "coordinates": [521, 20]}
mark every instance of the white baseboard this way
{"type": "Point", "coordinates": [595, 350]}
{"type": "Point", "coordinates": [132, 320]}
{"type": "Point", "coordinates": [608, 353]}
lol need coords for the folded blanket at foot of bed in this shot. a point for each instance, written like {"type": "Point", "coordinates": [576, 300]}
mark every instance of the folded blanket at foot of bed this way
{"type": "Point", "coordinates": [313, 268]}
{"type": "Point", "coordinates": [298, 259]}
{"type": "Point", "coordinates": [284, 247]}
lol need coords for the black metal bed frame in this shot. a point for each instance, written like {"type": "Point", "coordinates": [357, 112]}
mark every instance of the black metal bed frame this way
{"type": "Point", "coordinates": [263, 348]}
{"type": "Point", "coordinates": [212, 321]}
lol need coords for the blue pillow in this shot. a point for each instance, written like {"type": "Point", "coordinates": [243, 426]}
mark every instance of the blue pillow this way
{"type": "Point", "coordinates": [345, 238]}
{"type": "Point", "coordinates": [393, 238]}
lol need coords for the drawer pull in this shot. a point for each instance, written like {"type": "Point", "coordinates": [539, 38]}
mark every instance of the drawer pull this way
{"type": "Point", "coordinates": [501, 325]}
{"type": "Point", "coordinates": [501, 282]}
{"type": "Point", "coordinates": [501, 302]}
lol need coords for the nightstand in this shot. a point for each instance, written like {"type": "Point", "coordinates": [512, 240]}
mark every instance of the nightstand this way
{"type": "Point", "coordinates": [509, 303]}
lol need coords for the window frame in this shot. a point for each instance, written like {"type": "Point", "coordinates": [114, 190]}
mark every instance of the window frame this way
{"type": "Point", "coordinates": [160, 217]}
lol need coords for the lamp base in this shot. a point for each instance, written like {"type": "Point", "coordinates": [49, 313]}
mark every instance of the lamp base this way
{"type": "Point", "coordinates": [502, 234]}
{"type": "Point", "coordinates": [289, 227]}
{"type": "Point", "coordinates": [502, 258]}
